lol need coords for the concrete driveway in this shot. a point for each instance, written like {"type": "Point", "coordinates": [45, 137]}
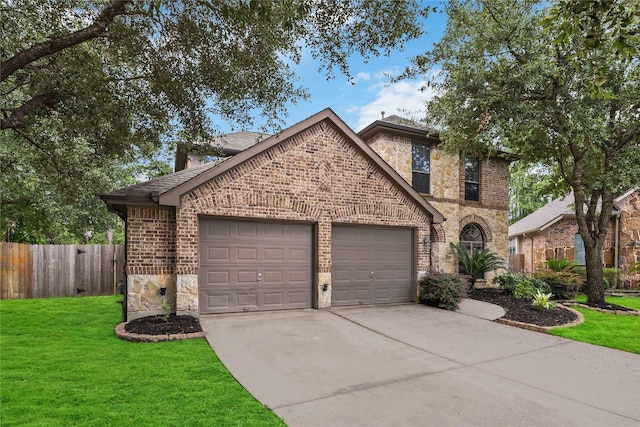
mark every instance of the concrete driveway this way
{"type": "Point", "coordinates": [411, 365]}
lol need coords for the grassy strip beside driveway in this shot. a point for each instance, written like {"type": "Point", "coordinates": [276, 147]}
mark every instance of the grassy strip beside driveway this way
{"type": "Point", "coordinates": [607, 330]}
{"type": "Point", "coordinates": [61, 365]}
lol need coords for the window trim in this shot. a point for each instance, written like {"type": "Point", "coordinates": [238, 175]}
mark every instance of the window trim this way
{"type": "Point", "coordinates": [422, 172]}
{"type": "Point", "coordinates": [468, 181]}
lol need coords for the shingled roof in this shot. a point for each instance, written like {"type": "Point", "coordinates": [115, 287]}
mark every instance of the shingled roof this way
{"type": "Point", "coordinates": [553, 212]}
{"type": "Point", "coordinates": [148, 191]}
{"type": "Point", "coordinates": [544, 217]}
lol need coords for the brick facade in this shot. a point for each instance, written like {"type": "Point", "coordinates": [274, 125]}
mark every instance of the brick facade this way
{"type": "Point", "coordinates": [152, 232]}
{"type": "Point", "coordinates": [316, 176]}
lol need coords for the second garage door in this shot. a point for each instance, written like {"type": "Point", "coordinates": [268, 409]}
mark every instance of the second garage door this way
{"type": "Point", "coordinates": [371, 265]}
{"type": "Point", "coordinates": [247, 266]}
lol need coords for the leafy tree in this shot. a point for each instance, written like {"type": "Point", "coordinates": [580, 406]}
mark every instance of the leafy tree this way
{"type": "Point", "coordinates": [476, 263]}
{"type": "Point", "coordinates": [87, 85]}
{"type": "Point", "coordinates": [506, 84]}
{"type": "Point", "coordinates": [530, 187]}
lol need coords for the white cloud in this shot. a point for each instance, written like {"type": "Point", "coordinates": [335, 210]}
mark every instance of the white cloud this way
{"type": "Point", "coordinates": [363, 76]}
{"type": "Point", "coordinates": [404, 98]}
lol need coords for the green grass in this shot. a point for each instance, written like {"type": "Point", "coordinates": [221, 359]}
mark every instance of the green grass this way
{"type": "Point", "coordinates": [62, 365]}
{"type": "Point", "coordinates": [631, 302]}
{"type": "Point", "coordinates": [607, 330]}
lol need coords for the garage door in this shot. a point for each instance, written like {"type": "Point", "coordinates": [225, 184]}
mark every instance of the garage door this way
{"type": "Point", "coordinates": [248, 266]}
{"type": "Point", "coordinates": [371, 265]}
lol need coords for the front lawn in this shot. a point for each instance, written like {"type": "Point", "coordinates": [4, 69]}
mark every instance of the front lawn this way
{"type": "Point", "coordinates": [631, 302]}
{"type": "Point", "coordinates": [62, 365]}
{"type": "Point", "coordinates": [607, 330]}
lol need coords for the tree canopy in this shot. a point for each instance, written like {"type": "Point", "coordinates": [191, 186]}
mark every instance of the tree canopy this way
{"type": "Point", "coordinates": [511, 79]}
{"type": "Point", "coordinates": [91, 85]}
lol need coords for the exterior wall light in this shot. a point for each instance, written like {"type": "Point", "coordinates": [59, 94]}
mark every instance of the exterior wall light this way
{"type": "Point", "coordinates": [163, 291]}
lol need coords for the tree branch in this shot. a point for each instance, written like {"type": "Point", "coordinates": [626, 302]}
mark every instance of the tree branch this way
{"type": "Point", "coordinates": [22, 59]}
{"type": "Point", "coordinates": [16, 119]}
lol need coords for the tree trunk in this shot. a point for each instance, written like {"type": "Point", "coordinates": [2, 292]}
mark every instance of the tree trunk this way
{"type": "Point", "coordinates": [595, 277]}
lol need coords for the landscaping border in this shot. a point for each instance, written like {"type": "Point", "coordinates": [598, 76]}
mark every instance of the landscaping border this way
{"type": "Point", "coordinates": [128, 336]}
{"type": "Point", "coordinates": [544, 329]}
{"type": "Point", "coordinates": [603, 310]}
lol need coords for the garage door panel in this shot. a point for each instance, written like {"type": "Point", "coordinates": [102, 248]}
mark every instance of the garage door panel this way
{"type": "Point", "coordinates": [274, 232]}
{"type": "Point", "coordinates": [273, 277]}
{"type": "Point", "coordinates": [357, 252]}
{"type": "Point", "coordinates": [299, 254]}
{"type": "Point", "coordinates": [248, 266]}
{"type": "Point", "coordinates": [246, 230]}
{"type": "Point", "coordinates": [273, 299]}
{"type": "Point", "coordinates": [218, 301]}
{"type": "Point", "coordinates": [218, 277]}
{"type": "Point", "coordinates": [298, 276]}
{"type": "Point", "coordinates": [247, 300]}
{"type": "Point", "coordinates": [218, 229]}
{"type": "Point", "coordinates": [274, 254]}
{"type": "Point", "coordinates": [245, 255]}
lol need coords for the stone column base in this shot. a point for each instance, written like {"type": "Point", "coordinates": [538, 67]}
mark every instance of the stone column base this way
{"type": "Point", "coordinates": [187, 295]}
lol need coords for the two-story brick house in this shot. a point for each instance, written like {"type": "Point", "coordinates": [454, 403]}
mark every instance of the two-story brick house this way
{"type": "Point", "coordinates": [311, 217]}
{"type": "Point", "coordinates": [473, 194]}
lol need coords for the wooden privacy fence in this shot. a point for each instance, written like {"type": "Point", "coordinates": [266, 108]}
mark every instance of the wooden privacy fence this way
{"type": "Point", "coordinates": [39, 271]}
{"type": "Point", "coordinates": [516, 263]}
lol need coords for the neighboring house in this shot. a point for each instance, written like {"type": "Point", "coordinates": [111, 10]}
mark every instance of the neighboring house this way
{"type": "Point", "coordinates": [311, 217]}
{"type": "Point", "coordinates": [551, 232]}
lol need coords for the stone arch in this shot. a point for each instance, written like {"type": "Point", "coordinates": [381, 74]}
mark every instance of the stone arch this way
{"type": "Point", "coordinates": [437, 233]}
{"type": "Point", "coordinates": [484, 226]}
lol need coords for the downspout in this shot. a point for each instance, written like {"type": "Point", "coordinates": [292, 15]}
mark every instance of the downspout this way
{"type": "Point", "coordinates": [616, 245]}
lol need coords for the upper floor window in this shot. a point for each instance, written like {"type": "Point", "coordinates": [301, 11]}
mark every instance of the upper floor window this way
{"type": "Point", "coordinates": [421, 167]}
{"type": "Point", "coordinates": [472, 179]}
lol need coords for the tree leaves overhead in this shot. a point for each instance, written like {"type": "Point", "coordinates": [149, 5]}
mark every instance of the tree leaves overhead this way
{"type": "Point", "coordinates": [87, 85]}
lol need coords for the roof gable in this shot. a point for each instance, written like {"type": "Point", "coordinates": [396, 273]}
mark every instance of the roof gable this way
{"type": "Point", "coordinates": [167, 190]}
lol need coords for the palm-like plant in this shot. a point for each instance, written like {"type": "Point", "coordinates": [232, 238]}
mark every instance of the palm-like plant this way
{"type": "Point", "coordinates": [476, 262]}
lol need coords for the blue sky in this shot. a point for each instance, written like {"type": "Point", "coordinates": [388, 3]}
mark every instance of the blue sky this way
{"type": "Point", "coordinates": [360, 104]}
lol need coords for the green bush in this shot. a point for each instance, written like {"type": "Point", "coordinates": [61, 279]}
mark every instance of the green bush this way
{"type": "Point", "coordinates": [442, 290]}
{"type": "Point", "coordinates": [611, 277]}
{"type": "Point", "coordinates": [520, 285]}
{"type": "Point", "coordinates": [561, 264]}
{"type": "Point", "coordinates": [564, 284]}
{"type": "Point", "coordinates": [523, 290]}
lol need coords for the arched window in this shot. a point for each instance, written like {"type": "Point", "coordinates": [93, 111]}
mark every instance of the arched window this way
{"type": "Point", "coordinates": [471, 237]}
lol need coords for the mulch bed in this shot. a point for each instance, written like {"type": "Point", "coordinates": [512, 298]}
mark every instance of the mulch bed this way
{"type": "Point", "coordinates": [159, 325]}
{"type": "Point", "coordinates": [521, 310]}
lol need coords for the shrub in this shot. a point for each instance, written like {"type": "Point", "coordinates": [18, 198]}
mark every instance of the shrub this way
{"type": "Point", "coordinates": [523, 290]}
{"type": "Point", "coordinates": [560, 264]}
{"type": "Point", "coordinates": [564, 284]}
{"type": "Point", "coordinates": [509, 282]}
{"type": "Point", "coordinates": [442, 290]}
{"type": "Point", "coordinates": [543, 301]}
{"type": "Point", "coordinates": [611, 277]}
{"type": "Point", "coordinates": [476, 263]}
